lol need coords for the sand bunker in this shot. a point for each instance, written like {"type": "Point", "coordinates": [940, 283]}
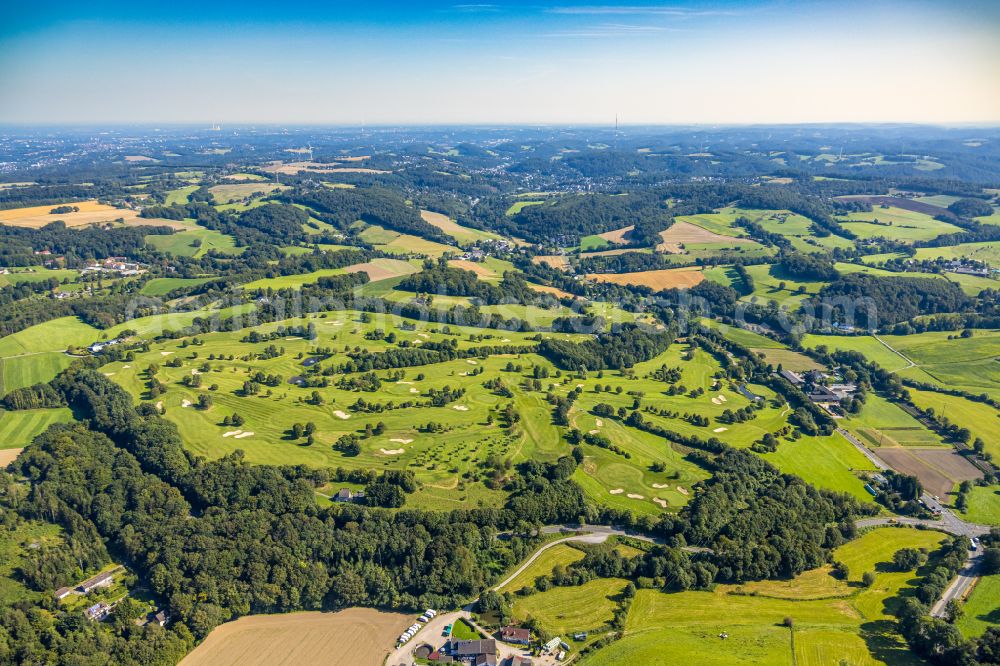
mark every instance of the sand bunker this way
{"type": "Point", "coordinates": [341, 415]}
{"type": "Point", "coordinates": [417, 342]}
{"type": "Point", "coordinates": [391, 452]}
{"type": "Point", "coordinates": [195, 372]}
{"type": "Point", "coordinates": [681, 490]}
{"type": "Point", "coordinates": [243, 434]}
{"type": "Point", "coordinates": [593, 432]}
{"type": "Point", "coordinates": [461, 408]}
{"type": "Point", "coordinates": [661, 502]}
{"type": "Point", "coordinates": [720, 430]}
{"type": "Point", "coordinates": [505, 340]}
{"type": "Point", "coordinates": [165, 353]}
{"type": "Point", "coordinates": [400, 440]}
{"type": "Point", "coordinates": [402, 382]}
{"type": "Point", "coordinates": [470, 361]}
{"type": "Point", "coordinates": [715, 401]}
{"type": "Point", "coordinates": [126, 367]}
{"type": "Point", "coordinates": [661, 485]}
{"type": "Point", "coordinates": [159, 406]}
{"type": "Point", "coordinates": [230, 433]}
{"type": "Point", "coordinates": [185, 403]}
{"type": "Point", "coordinates": [423, 335]}
{"type": "Point", "coordinates": [413, 390]}
{"type": "Point", "coordinates": [598, 422]}
{"type": "Point", "coordinates": [635, 496]}
{"type": "Point", "coordinates": [722, 397]}
{"type": "Point", "coordinates": [616, 491]}
{"type": "Point", "coordinates": [109, 374]}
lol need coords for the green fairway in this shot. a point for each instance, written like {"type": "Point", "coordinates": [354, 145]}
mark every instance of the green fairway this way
{"type": "Point", "coordinates": [20, 371]}
{"type": "Point", "coordinates": [18, 428]}
{"type": "Point", "coordinates": [566, 610]}
{"type": "Point", "coordinates": [896, 224]}
{"type": "Point", "coordinates": [163, 286]}
{"type": "Point", "coordinates": [560, 555]}
{"type": "Point", "coordinates": [826, 462]}
{"type": "Point", "coordinates": [834, 623]}
{"type": "Point", "coordinates": [194, 242]}
{"type": "Point", "coordinates": [53, 335]}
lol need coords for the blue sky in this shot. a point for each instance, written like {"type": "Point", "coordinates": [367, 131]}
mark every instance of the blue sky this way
{"type": "Point", "coordinates": [566, 62]}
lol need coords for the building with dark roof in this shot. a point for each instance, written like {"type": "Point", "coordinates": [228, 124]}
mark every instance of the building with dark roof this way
{"type": "Point", "coordinates": [516, 635]}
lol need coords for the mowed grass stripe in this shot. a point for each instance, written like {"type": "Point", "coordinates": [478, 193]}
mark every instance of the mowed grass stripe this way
{"type": "Point", "coordinates": [17, 429]}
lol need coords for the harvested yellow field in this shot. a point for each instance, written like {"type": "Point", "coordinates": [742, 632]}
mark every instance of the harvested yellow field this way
{"type": "Point", "coordinates": [553, 260]}
{"type": "Point", "coordinates": [671, 278]}
{"type": "Point", "coordinates": [454, 229]}
{"type": "Point", "coordinates": [292, 168]}
{"type": "Point", "coordinates": [475, 267]}
{"type": "Point", "coordinates": [224, 194]}
{"type": "Point", "coordinates": [555, 291]}
{"type": "Point", "coordinates": [90, 212]}
{"type": "Point", "coordinates": [606, 253]}
{"type": "Point", "coordinates": [352, 637]}
{"type": "Point", "coordinates": [617, 236]}
{"type": "Point", "coordinates": [7, 456]}
{"type": "Point", "coordinates": [382, 269]}
{"type": "Point", "coordinates": [685, 232]}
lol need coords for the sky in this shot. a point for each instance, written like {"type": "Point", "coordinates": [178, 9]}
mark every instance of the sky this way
{"type": "Point", "coordinates": [390, 63]}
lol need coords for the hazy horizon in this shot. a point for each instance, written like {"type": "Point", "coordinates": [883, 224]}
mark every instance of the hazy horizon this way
{"type": "Point", "coordinates": [401, 64]}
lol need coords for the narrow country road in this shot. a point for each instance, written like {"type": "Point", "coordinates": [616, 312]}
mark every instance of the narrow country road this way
{"type": "Point", "coordinates": [593, 537]}
{"type": "Point", "coordinates": [865, 451]}
{"type": "Point", "coordinates": [897, 353]}
{"type": "Point", "coordinates": [961, 585]}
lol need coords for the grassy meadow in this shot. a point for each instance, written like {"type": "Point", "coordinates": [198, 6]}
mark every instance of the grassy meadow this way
{"type": "Point", "coordinates": [835, 622]}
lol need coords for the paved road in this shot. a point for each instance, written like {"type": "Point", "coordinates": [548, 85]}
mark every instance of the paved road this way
{"type": "Point", "coordinates": [949, 523]}
{"type": "Point", "coordinates": [878, 462]}
{"type": "Point", "coordinates": [592, 537]}
{"type": "Point", "coordinates": [961, 585]}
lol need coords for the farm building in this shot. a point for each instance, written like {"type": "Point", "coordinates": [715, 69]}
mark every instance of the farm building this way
{"type": "Point", "coordinates": [477, 652]}
{"type": "Point", "coordinates": [100, 580]}
{"type": "Point", "coordinates": [516, 635]}
{"type": "Point", "coordinates": [98, 611]}
{"type": "Point", "coordinates": [793, 377]}
{"type": "Point", "coordinates": [63, 592]}
{"type": "Point", "coordinates": [162, 618]}
{"type": "Point", "coordinates": [822, 395]}
{"type": "Point", "coordinates": [348, 495]}
{"type": "Point", "coordinates": [520, 661]}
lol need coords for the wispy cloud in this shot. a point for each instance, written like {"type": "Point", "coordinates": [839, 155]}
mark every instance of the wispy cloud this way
{"type": "Point", "coordinates": [613, 30]}
{"type": "Point", "coordinates": [639, 10]}
{"type": "Point", "coordinates": [476, 7]}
